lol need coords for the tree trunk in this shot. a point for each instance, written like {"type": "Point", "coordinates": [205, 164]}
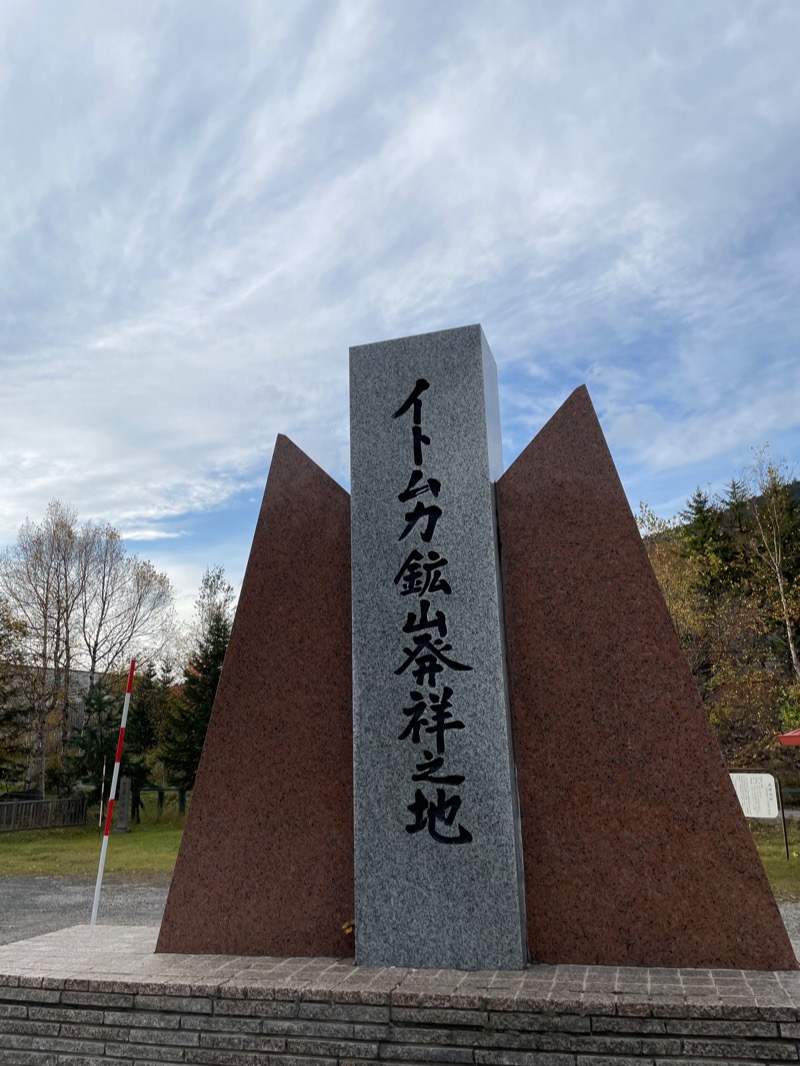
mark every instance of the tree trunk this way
{"type": "Point", "coordinates": [787, 621]}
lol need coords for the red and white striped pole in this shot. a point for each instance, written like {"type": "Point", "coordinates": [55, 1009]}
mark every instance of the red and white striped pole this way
{"type": "Point", "coordinates": [112, 794]}
{"type": "Point", "coordinates": [102, 794]}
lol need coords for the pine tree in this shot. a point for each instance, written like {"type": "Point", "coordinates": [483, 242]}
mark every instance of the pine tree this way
{"type": "Point", "coordinates": [703, 539]}
{"type": "Point", "coordinates": [12, 717]}
{"type": "Point", "coordinates": [153, 697]}
{"type": "Point", "coordinates": [188, 722]}
{"type": "Point", "coordinates": [737, 535]}
{"type": "Point", "coordinates": [731, 578]}
{"type": "Point", "coordinates": [97, 740]}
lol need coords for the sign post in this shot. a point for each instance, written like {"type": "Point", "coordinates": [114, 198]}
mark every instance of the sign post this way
{"type": "Point", "coordinates": [760, 798]}
{"type": "Point", "coordinates": [757, 795]}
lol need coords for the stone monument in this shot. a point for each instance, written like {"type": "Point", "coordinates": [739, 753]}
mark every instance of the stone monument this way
{"type": "Point", "coordinates": [636, 850]}
{"type": "Point", "coordinates": [438, 866]}
{"type": "Point", "coordinates": [530, 634]}
{"type": "Point", "coordinates": [266, 861]}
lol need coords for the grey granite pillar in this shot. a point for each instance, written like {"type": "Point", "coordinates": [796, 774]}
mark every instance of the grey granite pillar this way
{"type": "Point", "coordinates": [437, 855]}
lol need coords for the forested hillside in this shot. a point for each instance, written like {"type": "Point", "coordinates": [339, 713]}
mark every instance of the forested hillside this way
{"type": "Point", "coordinates": [728, 566]}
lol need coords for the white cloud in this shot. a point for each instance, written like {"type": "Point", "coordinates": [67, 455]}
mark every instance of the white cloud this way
{"type": "Point", "coordinates": [151, 534]}
{"type": "Point", "coordinates": [204, 206]}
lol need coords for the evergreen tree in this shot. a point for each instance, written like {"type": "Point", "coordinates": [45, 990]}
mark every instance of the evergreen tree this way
{"type": "Point", "coordinates": [730, 573]}
{"type": "Point", "coordinates": [702, 539]}
{"type": "Point", "coordinates": [97, 739]}
{"type": "Point", "coordinates": [153, 698]}
{"type": "Point", "coordinates": [737, 535]}
{"type": "Point", "coordinates": [188, 721]}
{"type": "Point", "coordinates": [13, 744]}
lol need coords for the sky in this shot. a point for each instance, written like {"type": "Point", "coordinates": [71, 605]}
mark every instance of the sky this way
{"type": "Point", "coordinates": [203, 205]}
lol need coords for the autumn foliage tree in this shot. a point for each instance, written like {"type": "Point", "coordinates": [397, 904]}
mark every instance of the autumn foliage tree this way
{"type": "Point", "coordinates": [775, 524]}
{"type": "Point", "coordinates": [728, 566]}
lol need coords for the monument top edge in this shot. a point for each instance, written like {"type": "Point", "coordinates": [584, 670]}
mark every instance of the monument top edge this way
{"type": "Point", "coordinates": [475, 326]}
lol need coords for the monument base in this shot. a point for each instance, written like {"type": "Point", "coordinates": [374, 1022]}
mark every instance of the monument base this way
{"type": "Point", "coordinates": [101, 995]}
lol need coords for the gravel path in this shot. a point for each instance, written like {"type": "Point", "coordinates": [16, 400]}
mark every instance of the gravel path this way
{"type": "Point", "coordinates": [33, 905]}
{"type": "Point", "coordinates": [790, 912]}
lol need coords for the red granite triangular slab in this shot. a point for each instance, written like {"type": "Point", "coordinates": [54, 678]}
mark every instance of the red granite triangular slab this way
{"type": "Point", "coordinates": [266, 862]}
{"type": "Point", "coordinates": [635, 849]}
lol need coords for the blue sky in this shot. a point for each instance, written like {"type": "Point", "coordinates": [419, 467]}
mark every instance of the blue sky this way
{"type": "Point", "coordinates": [203, 205]}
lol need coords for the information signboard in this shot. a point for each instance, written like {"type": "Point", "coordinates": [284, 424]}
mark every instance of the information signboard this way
{"type": "Point", "coordinates": [757, 795]}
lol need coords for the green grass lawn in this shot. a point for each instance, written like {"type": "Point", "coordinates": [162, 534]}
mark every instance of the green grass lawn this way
{"type": "Point", "coordinates": [145, 850]}
{"type": "Point", "coordinates": [149, 848]}
{"type": "Point", "coordinates": [783, 876]}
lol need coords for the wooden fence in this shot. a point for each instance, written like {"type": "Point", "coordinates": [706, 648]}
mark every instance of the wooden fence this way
{"type": "Point", "coordinates": [42, 814]}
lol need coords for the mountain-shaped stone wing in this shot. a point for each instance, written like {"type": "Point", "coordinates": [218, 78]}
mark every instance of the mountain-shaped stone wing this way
{"type": "Point", "coordinates": [634, 846]}
{"type": "Point", "coordinates": [266, 862]}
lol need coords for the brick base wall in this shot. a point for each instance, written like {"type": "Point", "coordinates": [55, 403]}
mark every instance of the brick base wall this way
{"type": "Point", "coordinates": [92, 1027]}
{"type": "Point", "coordinates": [100, 997]}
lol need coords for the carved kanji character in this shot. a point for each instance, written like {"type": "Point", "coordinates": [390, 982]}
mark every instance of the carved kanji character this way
{"type": "Point", "coordinates": [442, 718]}
{"type": "Point", "coordinates": [417, 716]}
{"type": "Point", "coordinates": [429, 813]}
{"type": "Point", "coordinates": [415, 625]}
{"type": "Point", "coordinates": [428, 655]}
{"type": "Point", "coordinates": [417, 577]}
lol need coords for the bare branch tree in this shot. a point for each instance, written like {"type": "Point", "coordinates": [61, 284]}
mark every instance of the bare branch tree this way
{"type": "Point", "coordinates": [123, 598]}
{"type": "Point", "coordinates": [777, 524]}
{"type": "Point", "coordinates": [83, 603]}
{"type": "Point", "coordinates": [37, 578]}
